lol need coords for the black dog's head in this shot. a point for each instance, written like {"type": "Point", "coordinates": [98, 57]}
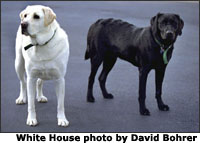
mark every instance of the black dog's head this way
{"type": "Point", "coordinates": [167, 26]}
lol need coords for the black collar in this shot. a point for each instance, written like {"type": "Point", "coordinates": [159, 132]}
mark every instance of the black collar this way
{"type": "Point", "coordinates": [30, 45]}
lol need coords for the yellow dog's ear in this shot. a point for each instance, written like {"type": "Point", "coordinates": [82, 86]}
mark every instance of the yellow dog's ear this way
{"type": "Point", "coordinates": [49, 16]}
{"type": "Point", "coordinates": [21, 15]}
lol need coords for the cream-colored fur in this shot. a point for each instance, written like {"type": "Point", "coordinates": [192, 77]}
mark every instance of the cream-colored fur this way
{"type": "Point", "coordinates": [47, 60]}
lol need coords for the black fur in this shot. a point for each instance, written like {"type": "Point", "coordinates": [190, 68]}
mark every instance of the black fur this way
{"type": "Point", "coordinates": [109, 39]}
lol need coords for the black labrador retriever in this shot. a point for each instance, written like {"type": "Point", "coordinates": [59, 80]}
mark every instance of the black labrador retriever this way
{"type": "Point", "coordinates": [147, 48]}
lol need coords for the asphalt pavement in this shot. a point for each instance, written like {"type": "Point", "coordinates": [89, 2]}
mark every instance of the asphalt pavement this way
{"type": "Point", "coordinates": [181, 83]}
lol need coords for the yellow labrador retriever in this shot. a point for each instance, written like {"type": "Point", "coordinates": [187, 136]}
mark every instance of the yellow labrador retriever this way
{"type": "Point", "coordinates": [42, 51]}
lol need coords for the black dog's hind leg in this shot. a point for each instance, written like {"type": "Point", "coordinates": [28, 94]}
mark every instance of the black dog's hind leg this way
{"type": "Point", "coordinates": [159, 80]}
{"type": "Point", "coordinates": [108, 64]}
{"type": "Point", "coordinates": [143, 73]}
{"type": "Point", "coordinates": [95, 63]}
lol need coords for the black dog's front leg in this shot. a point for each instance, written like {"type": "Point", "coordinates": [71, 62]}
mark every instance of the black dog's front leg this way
{"type": "Point", "coordinates": [159, 80]}
{"type": "Point", "coordinates": [143, 73]}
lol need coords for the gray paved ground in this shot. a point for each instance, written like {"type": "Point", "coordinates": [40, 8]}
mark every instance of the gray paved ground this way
{"type": "Point", "coordinates": [181, 84]}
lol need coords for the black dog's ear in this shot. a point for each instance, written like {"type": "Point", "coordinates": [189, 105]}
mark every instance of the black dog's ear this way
{"type": "Point", "coordinates": [181, 24]}
{"type": "Point", "coordinates": [154, 22]}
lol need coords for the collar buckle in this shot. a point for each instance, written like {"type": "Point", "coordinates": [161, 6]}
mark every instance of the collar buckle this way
{"type": "Point", "coordinates": [163, 51]}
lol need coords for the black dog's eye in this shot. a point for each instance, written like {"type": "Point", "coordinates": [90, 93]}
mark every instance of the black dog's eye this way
{"type": "Point", "coordinates": [164, 22]}
{"type": "Point", "coordinates": [175, 24]}
{"type": "Point", "coordinates": [36, 16]}
{"type": "Point", "coordinates": [25, 15]}
{"type": "Point", "coordinates": [162, 25]}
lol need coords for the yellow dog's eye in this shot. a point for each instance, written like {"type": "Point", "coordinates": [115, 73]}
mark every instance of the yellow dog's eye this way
{"type": "Point", "coordinates": [36, 16]}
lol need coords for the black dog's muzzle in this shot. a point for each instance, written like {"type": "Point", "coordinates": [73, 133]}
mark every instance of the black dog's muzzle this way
{"type": "Point", "coordinates": [170, 35]}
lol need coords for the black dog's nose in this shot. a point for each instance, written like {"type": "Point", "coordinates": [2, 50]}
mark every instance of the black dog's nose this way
{"type": "Point", "coordinates": [24, 25]}
{"type": "Point", "coordinates": [170, 34]}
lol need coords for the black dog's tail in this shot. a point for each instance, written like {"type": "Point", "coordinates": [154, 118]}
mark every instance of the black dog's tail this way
{"type": "Point", "coordinates": [90, 51]}
{"type": "Point", "coordinates": [87, 54]}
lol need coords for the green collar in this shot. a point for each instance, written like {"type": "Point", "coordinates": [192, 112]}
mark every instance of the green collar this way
{"type": "Point", "coordinates": [165, 55]}
{"type": "Point", "coordinates": [162, 50]}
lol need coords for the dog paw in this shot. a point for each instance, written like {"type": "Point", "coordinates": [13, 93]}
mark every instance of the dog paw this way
{"type": "Point", "coordinates": [63, 122]}
{"type": "Point", "coordinates": [163, 107]}
{"type": "Point", "coordinates": [145, 112]}
{"type": "Point", "coordinates": [42, 99]}
{"type": "Point", "coordinates": [31, 122]}
{"type": "Point", "coordinates": [108, 96]}
{"type": "Point", "coordinates": [90, 99]}
{"type": "Point", "coordinates": [20, 100]}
